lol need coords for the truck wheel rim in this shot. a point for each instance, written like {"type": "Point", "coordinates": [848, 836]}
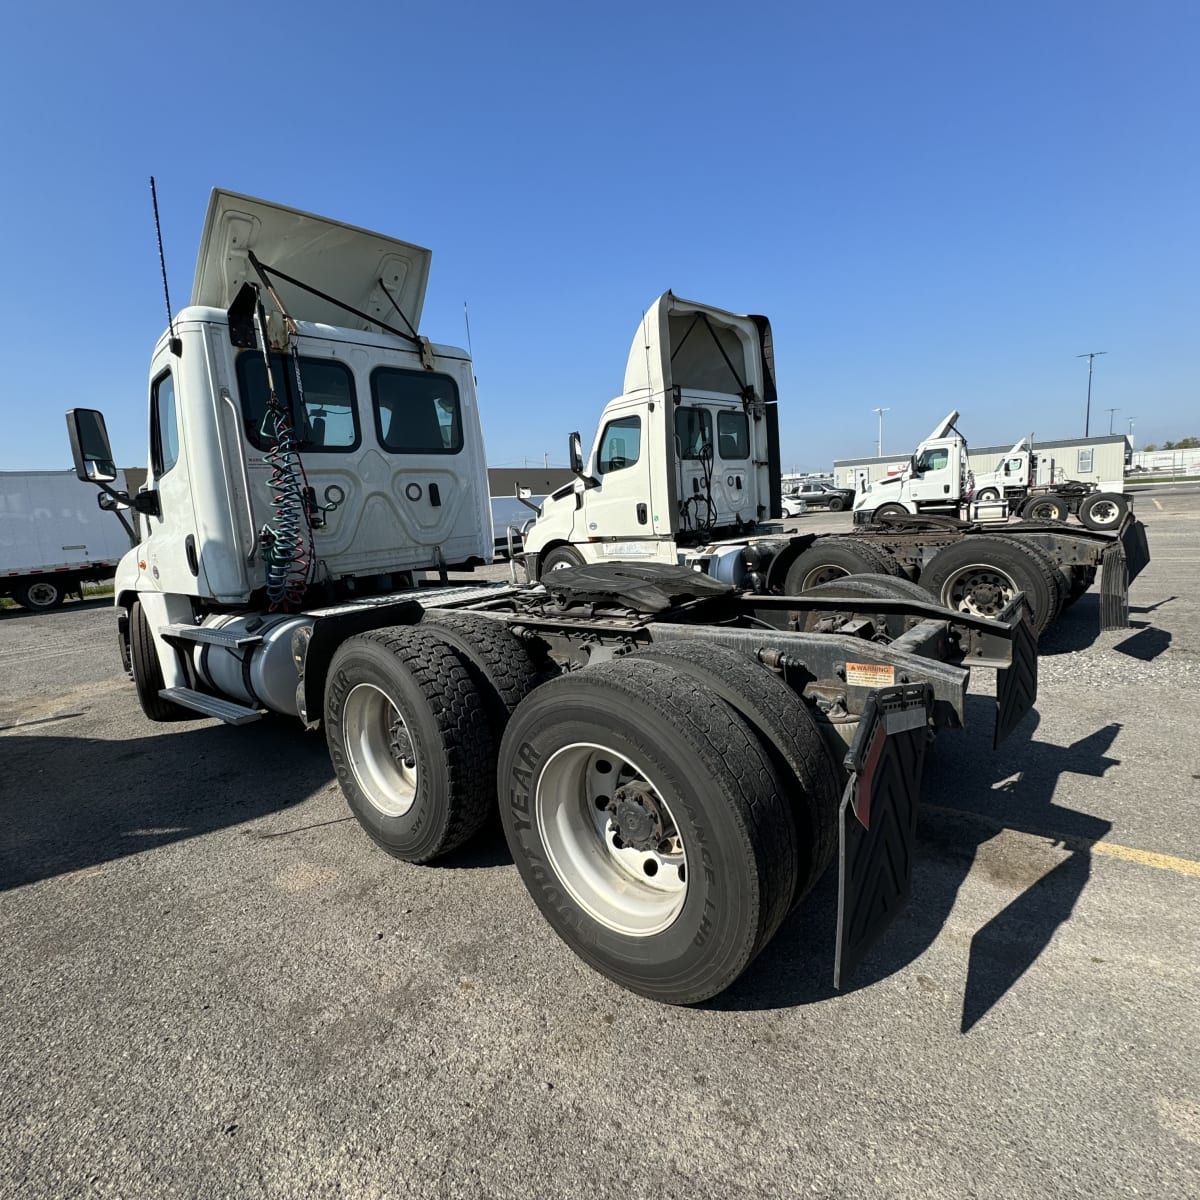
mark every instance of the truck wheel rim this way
{"type": "Point", "coordinates": [1104, 512]}
{"type": "Point", "coordinates": [978, 589]}
{"type": "Point", "coordinates": [380, 749]}
{"type": "Point", "coordinates": [987, 496]}
{"type": "Point", "coordinates": [1044, 511]}
{"type": "Point", "coordinates": [587, 796]}
{"type": "Point", "coordinates": [42, 593]}
{"type": "Point", "coordinates": [822, 574]}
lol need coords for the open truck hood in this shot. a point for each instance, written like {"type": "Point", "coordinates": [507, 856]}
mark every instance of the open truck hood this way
{"type": "Point", "coordinates": [341, 260]}
{"type": "Point", "coordinates": [683, 344]}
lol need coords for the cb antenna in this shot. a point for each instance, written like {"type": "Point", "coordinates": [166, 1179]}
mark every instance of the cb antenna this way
{"type": "Point", "coordinates": [470, 348]}
{"type": "Point", "coordinates": [174, 343]}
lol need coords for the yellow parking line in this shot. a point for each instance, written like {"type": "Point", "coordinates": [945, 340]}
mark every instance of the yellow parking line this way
{"type": "Point", "coordinates": [1160, 862]}
{"type": "Point", "coordinates": [1157, 504]}
{"type": "Point", "coordinates": [1146, 858]}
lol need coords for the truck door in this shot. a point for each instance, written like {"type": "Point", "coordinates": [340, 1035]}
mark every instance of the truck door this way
{"type": "Point", "coordinates": [732, 476]}
{"type": "Point", "coordinates": [935, 478]}
{"type": "Point", "coordinates": [620, 506]}
{"type": "Point", "coordinates": [170, 551]}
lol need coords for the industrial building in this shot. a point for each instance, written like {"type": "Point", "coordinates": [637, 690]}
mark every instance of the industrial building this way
{"type": "Point", "coordinates": [1100, 459]}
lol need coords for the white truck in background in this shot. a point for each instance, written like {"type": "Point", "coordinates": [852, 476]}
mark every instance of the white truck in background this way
{"type": "Point", "coordinates": [685, 468]}
{"type": "Point", "coordinates": [54, 537]}
{"type": "Point", "coordinates": [938, 481]}
{"type": "Point", "coordinates": [1032, 484]}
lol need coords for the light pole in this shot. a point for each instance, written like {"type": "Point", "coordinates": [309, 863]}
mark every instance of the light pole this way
{"type": "Point", "coordinates": [1087, 420]}
{"type": "Point", "coordinates": [1110, 412]}
{"type": "Point", "coordinates": [879, 443]}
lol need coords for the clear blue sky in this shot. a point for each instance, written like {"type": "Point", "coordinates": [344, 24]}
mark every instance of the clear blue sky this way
{"type": "Point", "coordinates": [937, 204]}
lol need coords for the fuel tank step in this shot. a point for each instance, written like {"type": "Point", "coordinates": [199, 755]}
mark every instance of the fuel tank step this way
{"type": "Point", "coordinates": [211, 706]}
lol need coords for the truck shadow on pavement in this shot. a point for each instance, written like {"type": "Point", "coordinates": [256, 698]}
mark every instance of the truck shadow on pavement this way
{"type": "Point", "coordinates": [970, 797]}
{"type": "Point", "coordinates": [68, 803]}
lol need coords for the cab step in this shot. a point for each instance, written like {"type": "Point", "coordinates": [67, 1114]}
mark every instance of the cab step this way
{"type": "Point", "coordinates": [211, 706]}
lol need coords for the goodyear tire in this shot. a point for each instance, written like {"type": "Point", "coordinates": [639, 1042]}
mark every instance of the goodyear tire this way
{"type": "Point", "coordinates": [410, 740]}
{"type": "Point", "coordinates": [1103, 511]}
{"type": "Point", "coordinates": [501, 667]}
{"type": "Point", "coordinates": [786, 730]}
{"type": "Point", "coordinates": [147, 671]}
{"type": "Point", "coordinates": [981, 573]}
{"type": "Point", "coordinates": [834, 558]}
{"type": "Point", "coordinates": [649, 826]}
{"type": "Point", "coordinates": [1044, 508]}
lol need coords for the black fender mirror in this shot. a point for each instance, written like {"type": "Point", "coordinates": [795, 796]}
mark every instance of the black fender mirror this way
{"type": "Point", "coordinates": [575, 451]}
{"type": "Point", "coordinates": [90, 447]}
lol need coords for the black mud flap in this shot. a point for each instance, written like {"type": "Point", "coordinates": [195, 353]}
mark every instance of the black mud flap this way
{"type": "Point", "coordinates": [1136, 547]}
{"type": "Point", "coordinates": [1114, 588]}
{"type": "Point", "coordinates": [1016, 684]}
{"type": "Point", "coordinates": [878, 821]}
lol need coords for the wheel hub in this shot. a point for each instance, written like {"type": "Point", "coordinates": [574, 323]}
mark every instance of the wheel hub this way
{"type": "Point", "coordinates": [400, 744]}
{"type": "Point", "coordinates": [636, 820]}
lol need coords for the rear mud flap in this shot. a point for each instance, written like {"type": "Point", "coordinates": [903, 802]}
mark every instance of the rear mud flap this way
{"type": "Point", "coordinates": [878, 820]}
{"type": "Point", "coordinates": [1136, 547]}
{"type": "Point", "coordinates": [1016, 684]}
{"type": "Point", "coordinates": [1114, 588]}
{"type": "Point", "coordinates": [1120, 564]}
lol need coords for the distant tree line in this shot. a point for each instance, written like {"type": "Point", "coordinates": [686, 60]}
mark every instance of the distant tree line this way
{"type": "Point", "coordinates": [1187, 443]}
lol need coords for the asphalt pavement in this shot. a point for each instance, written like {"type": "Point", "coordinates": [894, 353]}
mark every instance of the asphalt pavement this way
{"type": "Point", "coordinates": [214, 984]}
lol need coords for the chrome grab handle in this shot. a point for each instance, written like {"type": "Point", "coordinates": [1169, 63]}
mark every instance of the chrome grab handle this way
{"type": "Point", "coordinates": [241, 455]}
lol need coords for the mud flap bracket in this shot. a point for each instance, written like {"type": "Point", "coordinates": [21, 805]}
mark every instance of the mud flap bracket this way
{"type": "Point", "coordinates": [878, 819]}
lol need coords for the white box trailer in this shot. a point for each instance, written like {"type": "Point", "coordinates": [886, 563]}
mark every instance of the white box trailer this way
{"type": "Point", "coordinates": [53, 536]}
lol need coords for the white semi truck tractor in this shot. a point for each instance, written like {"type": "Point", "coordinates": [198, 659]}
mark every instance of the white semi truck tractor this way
{"type": "Point", "coordinates": [676, 758]}
{"type": "Point", "coordinates": [684, 468]}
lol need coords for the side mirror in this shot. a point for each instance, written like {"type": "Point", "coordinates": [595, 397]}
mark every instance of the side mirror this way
{"type": "Point", "coordinates": [90, 446]}
{"type": "Point", "coordinates": [575, 450]}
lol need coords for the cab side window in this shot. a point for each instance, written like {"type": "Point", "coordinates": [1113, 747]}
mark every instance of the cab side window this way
{"type": "Point", "coordinates": [934, 460]}
{"type": "Point", "coordinates": [620, 445]}
{"type": "Point", "coordinates": [164, 425]}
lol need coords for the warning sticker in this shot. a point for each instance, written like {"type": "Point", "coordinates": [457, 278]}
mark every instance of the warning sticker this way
{"type": "Point", "coordinates": [869, 675]}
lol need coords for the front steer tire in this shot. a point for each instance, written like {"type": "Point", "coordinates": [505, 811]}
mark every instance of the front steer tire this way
{"type": "Point", "coordinates": [147, 671]}
{"type": "Point", "coordinates": [716, 790]}
{"type": "Point", "coordinates": [410, 740]}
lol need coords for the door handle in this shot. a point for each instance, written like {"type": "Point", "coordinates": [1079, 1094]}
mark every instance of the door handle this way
{"type": "Point", "coordinates": [641, 514]}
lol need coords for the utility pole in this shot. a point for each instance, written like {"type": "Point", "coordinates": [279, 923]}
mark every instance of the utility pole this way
{"type": "Point", "coordinates": [879, 443]}
{"type": "Point", "coordinates": [1087, 419]}
{"type": "Point", "coordinates": [1110, 412]}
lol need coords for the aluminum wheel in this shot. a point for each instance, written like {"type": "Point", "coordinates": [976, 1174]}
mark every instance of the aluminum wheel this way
{"type": "Point", "coordinates": [380, 750]}
{"type": "Point", "coordinates": [979, 589]}
{"type": "Point", "coordinates": [1105, 512]}
{"type": "Point", "coordinates": [822, 574]}
{"type": "Point", "coordinates": [611, 839]}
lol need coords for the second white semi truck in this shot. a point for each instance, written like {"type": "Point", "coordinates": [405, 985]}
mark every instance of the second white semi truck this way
{"type": "Point", "coordinates": [685, 468]}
